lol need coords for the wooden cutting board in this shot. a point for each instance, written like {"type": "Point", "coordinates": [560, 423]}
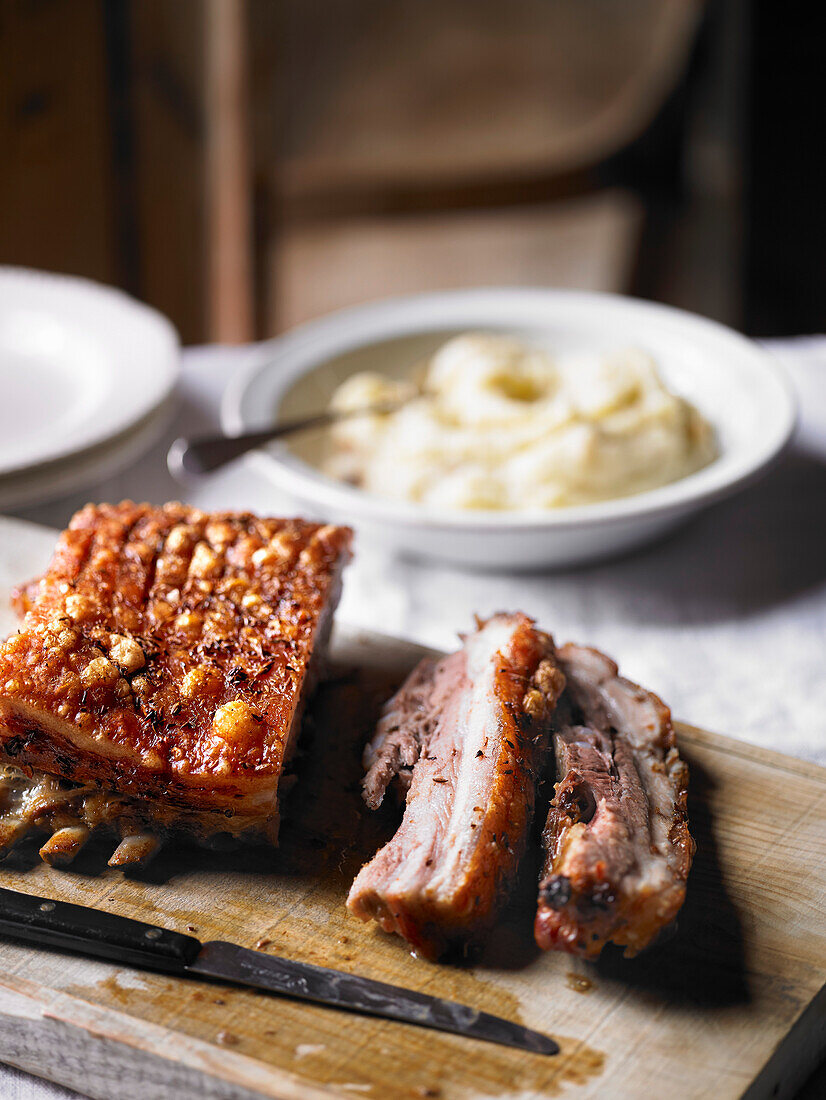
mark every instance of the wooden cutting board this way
{"type": "Point", "coordinates": [734, 1004]}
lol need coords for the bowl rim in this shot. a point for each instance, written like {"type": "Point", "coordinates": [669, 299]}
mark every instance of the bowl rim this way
{"type": "Point", "coordinates": [307, 346]}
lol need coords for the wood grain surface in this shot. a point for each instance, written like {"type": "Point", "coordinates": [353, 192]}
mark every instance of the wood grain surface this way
{"type": "Point", "coordinates": [734, 1003]}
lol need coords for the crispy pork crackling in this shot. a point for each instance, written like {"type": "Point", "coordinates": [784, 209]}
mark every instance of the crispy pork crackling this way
{"type": "Point", "coordinates": [158, 678]}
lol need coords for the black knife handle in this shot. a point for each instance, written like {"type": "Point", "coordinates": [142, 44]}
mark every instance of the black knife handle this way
{"type": "Point", "coordinates": [44, 922]}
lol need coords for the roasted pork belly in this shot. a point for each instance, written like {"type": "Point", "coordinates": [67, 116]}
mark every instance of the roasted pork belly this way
{"type": "Point", "coordinates": [165, 660]}
{"type": "Point", "coordinates": [464, 739]}
{"type": "Point", "coordinates": [617, 845]}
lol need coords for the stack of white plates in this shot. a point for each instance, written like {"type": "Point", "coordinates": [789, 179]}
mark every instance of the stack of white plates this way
{"type": "Point", "coordinates": [86, 378]}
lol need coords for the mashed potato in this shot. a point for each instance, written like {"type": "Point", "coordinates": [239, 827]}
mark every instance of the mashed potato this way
{"type": "Point", "coordinates": [500, 425]}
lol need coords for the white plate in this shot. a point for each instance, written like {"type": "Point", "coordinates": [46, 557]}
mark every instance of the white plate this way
{"type": "Point", "coordinates": [734, 383]}
{"type": "Point", "coordinates": [79, 365]}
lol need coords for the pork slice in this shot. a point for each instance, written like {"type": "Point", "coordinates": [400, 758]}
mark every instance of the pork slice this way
{"type": "Point", "coordinates": [466, 734]}
{"type": "Point", "coordinates": [617, 846]}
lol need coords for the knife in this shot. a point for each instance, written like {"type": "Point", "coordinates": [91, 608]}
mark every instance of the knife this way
{"type": "Point", "coordinates": [44, 922]}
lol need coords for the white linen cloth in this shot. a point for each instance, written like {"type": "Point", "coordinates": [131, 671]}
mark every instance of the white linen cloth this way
{"type": "Point", "coordinates": [726, 618]}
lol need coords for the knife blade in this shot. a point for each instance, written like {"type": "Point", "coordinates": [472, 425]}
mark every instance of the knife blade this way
{"type": "Point", "coordinates": [236, 964]}
{"type": "Point", "coordinates": [43, 921]}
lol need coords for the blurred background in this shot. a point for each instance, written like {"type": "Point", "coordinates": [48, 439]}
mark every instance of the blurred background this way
{"type": "Point", "coordinates": [245, 165]}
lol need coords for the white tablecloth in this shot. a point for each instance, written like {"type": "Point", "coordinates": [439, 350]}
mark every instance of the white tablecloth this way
{"type": "Point", "coordinates": [726, 619]}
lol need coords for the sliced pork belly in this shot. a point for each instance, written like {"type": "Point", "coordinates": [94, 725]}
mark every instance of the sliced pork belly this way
{"type": "Point", "coordinates": [164, 659]}
{"type": "Point", "coordinates": [617, 845]}
{"type": "Point", "coordinates": [464, 738]}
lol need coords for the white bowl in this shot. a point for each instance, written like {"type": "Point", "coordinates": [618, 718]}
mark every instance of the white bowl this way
{"type": "Point", "coordinates": [733, 382]}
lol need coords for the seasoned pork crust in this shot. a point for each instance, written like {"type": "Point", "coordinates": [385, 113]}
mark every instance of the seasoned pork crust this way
{"type": "Point", "coordinates": [466, 735]}
{"type": "Point", "coordinates": [618, 849]}
{"type": "Point", "coordinates": [166, 656]}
